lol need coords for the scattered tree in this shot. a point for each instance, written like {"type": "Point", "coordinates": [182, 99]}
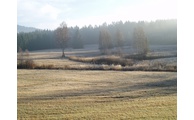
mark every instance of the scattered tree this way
{"type": "Point", "coordinates": [105, 43]}
{"type": "Point", "coordinates": [140, 41]}
{"type": "Point", "coordinates": [159, 32]}
{"type": "Point", "coordinates": [62, 36]}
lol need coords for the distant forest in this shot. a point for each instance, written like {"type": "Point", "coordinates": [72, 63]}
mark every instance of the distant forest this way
{"type": "Point", "coordinates": [25, 29]}
{"type": "Point", "coordinates": [159, 32]}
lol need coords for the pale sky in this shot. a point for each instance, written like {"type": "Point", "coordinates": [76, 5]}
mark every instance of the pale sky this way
{"type": "Point", "coordinates": [48, 14]}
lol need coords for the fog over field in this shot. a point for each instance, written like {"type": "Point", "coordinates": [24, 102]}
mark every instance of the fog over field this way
{"type": "Point", "coordinates": [101, 60]}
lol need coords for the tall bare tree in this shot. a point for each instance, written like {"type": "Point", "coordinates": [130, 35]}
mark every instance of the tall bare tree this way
{"type": "Point", "coordinates": [105, 43]}
{"type": "Point", "coordinates": [140, 41]}
{"type": "Point", "coordinates": [62, 36]}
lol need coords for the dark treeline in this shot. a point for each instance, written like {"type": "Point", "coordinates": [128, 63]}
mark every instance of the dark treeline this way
{"type": "Point", "coordinates": [37, 40]}
{"type": "Point", "coordinates": [160, 32]}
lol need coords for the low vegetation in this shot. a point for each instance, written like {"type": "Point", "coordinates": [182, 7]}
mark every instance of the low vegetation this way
{"type": "Point", "coordinates": [111, 62]}
{"type": "Point", "coordinates": [25, 62]}
{"type": "Point", "coordinates": [107, 60]}
{"type": "Point", "coordinates": [125, 64]}
{"type": "Point", "coordinates": [147, 57]}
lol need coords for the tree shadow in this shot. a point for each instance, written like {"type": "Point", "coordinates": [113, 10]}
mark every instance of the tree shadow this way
{"type": "Point", "coordinates": [122, 91]}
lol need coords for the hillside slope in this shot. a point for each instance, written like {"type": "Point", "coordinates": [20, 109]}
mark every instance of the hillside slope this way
{"type": "Point", "coordinates": [25, 29]}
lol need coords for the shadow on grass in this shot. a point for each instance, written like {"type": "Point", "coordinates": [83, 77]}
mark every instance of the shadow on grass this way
{"type": "Point", "coordinates": [144, 57]}
{"type": "Point", "coordinates": [166, 83]}
{"type": "Point", "coordinates": [121, 92]}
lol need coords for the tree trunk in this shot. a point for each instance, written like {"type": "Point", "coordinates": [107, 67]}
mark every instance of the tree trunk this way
{"type": "Point", "coordinates": [63, 54]}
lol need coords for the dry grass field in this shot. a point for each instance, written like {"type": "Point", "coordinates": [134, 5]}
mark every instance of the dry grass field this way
{"type": "Point", "coordinates": [68, 94]}
{"type": "Point", "coordinates": [95, 94]}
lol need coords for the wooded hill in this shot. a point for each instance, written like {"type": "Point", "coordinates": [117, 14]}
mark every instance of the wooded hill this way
{"type": "Point", "coordinates": [25, 29]}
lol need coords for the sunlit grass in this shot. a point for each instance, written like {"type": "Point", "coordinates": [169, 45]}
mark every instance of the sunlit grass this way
{"type": "Point", "coordinates": [163, 107]}
{"type": "Point", "coordinates": [68, 94]}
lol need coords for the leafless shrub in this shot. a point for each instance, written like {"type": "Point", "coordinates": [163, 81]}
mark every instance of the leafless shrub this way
{"type": "Point", "coordinates": [25, 62]}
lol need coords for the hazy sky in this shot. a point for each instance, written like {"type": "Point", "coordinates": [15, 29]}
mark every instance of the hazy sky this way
{"type": "Point", "coordinates": [48, 14]}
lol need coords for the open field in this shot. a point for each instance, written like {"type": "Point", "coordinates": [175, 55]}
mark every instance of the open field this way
{"type": "Point", "coordinates": [76, 88]}
{"type": "Point", "coordinates": [69, 94]}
